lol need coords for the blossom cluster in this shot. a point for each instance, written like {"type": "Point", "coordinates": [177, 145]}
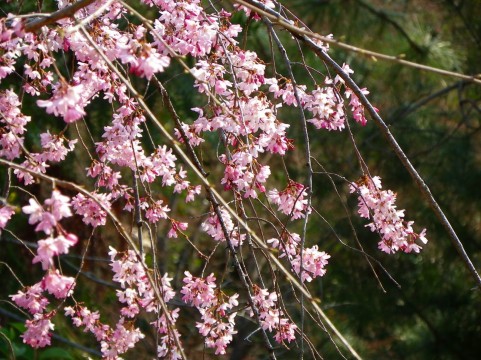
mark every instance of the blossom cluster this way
{"type": "Point", "coordinates": [272, 318]}
{"type": "Point", "coordinates": [33, 298]}
{"type": "Point", "coordinates": [138, 293]}
{"type": "Point", "coordinates": [214, 227]}
{"type": "Point", "coordinates": [312, 261]}
{"type": "Point", "coordinates": [13, 125]}
{"type": "Point", "coordinates": [291, 201]}
{"type": "Point", "coordinates": [6, 213]}
{"type": "Point", "coordinates": [113, 341]}
{"type": "Point", "coordinates": [325, 103]}
{"type": "Point", "coordinates": [217, 324]}
{"type": "Point", "coordinates": [379, 205]}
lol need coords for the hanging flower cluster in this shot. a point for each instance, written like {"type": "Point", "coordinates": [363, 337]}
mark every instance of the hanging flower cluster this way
{"type": "Point", "coordinates": [33, 298]}
{"type": "Point", "coordinates": [379, 205]}
{"type": "Point", "coordinates": [313, 261]}
{"type": "Point", "coordinates": [217, 324]}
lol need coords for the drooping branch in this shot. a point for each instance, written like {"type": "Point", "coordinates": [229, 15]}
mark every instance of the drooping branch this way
{"type": "Point", "coordinates": [307, 37]}
{"type": "Point", "coordinates": [278, 19]}
{"type": "Point", "coordinates": [423, 187]}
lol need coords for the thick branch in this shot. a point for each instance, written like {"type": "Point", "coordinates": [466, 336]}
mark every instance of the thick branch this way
{"type": "Point", "coordinates": [120, 228]}
{"type": "Point", "coordinates": [68, 11]}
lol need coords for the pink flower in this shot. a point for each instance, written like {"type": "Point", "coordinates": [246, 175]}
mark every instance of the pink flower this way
{"type": "Point", "coordinates": [217, 326]}
{"type": "Point", "coordinates": [313, 260]}
{"type": "Point", "coordinates": [198, 291]}
{"type": "Point", "coordinates": [213, 227]}
{"type": "Point", "coordinates": [57, 207]}
{"type": "Point", "coordinates": [38, 330]}
{"type": "Point", "coordinates": [6, 213]}
{"type": "Point", "coordinates": [58, 285]}
{"type": "Point", "coordinates": [157, 211]}
{"type": "Point", "coordinates": [291, 200]}
{"type": "Point", "coordinates": [67, 101]}
{"type": "Point", "coordinates": [93, 214]}
{"type": "Point", "coordinates": [35, 211]}
{"type": "Point", "coordinates": [51, 247]}
{"type": "Point", "coordinates": [176, 226]}
{"type": "Point", "coordinates": [356, 107]}
{"type": "Point", "coordinates": [32, 299]}
{"type": "Point", "coordinates": [149, 63]}
{"type": "Point", "coordinates": [380, 206]}
{"type": "Point", "coordinates": [271, 317]}
{"type": "Point", "coordinates": [54, 148]}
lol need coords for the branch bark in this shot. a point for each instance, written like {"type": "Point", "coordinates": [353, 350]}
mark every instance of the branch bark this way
{"type": "Point", "coordinates": [68, 11]}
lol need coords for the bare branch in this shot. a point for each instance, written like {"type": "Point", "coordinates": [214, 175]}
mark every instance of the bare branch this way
{"type": "Point", "coordinates": [68, 11]}
{"type": "Point", "coordinates": [276, 18]}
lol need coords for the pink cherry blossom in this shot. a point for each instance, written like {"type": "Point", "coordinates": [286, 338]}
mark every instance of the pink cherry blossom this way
{"type": "Point", "coordinates": [53, 246]}
{"type": "Point", "coordinates": [38, 333]}
{"type": "Point", "coordinates": [271, 317]}
{"type": "Point", "coordinates": [32, 299]}
{"type": "Point", "coordinates": [6, 213]}
{"type": "Point", "coordinates": [217, 325]}
{"type": "Point", "coordinates": [92, 213]}
{"type": "Point", "coordinates": [313, 261]}
{"type": "Point", "coordinates": [56, 208]}
{"type": "Point", "coordinates": [58, 285]}
{"type": "Point", "coordinates": [67, 101]}
{"type": "Point", "coordinates": [380, 206]}
{"type": "Point", "coordinates": [212, 226]}
{"type": "Point", "coordinates": [157, 211]}
{"type": "Point", "coordinates": [291, 201]}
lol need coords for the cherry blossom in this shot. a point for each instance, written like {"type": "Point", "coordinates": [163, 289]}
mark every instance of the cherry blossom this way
{"type": "Point", "coordinates": [271, 317]}
{"type": "Point", "coordinates": [213, 226]}
{"type": "Point", "coordinates": [53, 246]}
{"type": "Point", "coordinates": [240, 100]}
{"type": "Point", "coordinates": [291, 201]}
{"type": "Point", "coordinates": [58, 285]}
{"type": "Point", "coordinates": [379, 206]}
{"type": "Point", "coordinates": [92, 213]}
{"type": "Point", "coordinates": [38, 333]}
{"type": "Point", "coordinates": [313, 261]}
{"type": "Point", "coordinates": [11, 139]}
{"type": "Point", "coordinates": [32, 299]}
{"type": "Point", "coordinates": [6, 213]}
{"type": "Point", "coordinates": [217, 325]}
{"type": "Point", "coordinates": [56, 208]}
{"type": "Point", "coordinates": [67, 101]}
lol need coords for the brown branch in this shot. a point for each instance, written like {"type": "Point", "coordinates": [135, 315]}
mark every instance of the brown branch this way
{"type": "Point", "coordinates": [277, 19]}
{"type": "Point", "coordinates": [68, 11]}
{"type": "Point", "coordinates": [423, 187]}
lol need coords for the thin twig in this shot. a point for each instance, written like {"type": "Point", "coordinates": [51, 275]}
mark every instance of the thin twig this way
{"type": "Point", "coordinates": [423, 187]}
{"type": "Point", "coordinates": [277, 19]}
{"type": "Point", "coordinates": [305, 134]}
